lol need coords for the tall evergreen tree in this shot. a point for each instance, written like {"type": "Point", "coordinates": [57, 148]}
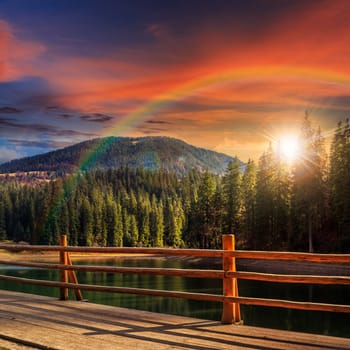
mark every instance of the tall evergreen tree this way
{"type": "Point", "coordinates": [99, 225]}
{"type": "Point", "coordinates": [144, 209]}
{"type": "Point", "coordinates": [126, 228]}
{"type": "Point", "coordinates": [85, 237]}
{"type": "Point", "coordinates": [282, 191]}
{"type": "Point", "coordinates": [156, 223]}
{"type": "Point", "coordinates": [205, 209]}
{"type": "Point", "coordinates": [119, 225]}
{"type": "Point", "coordinates": [310, 186]}
{"type": "Point", "coordinates": [248, 204]}
{"type": "Point", "coordinates": [74, 224]}
{"type": "Point", "coordinates": [264, 201]}
{"type": "Point", "coordinates": [232, 182]}
{"type": "Point", "coordinates": [174, 220]}
{"type": "Point", "coordinates": [114, 222]}
{"type": "Point", "coordinates": [3, 232]}
{"type": "Point", "coordinates": [340, 184]}
{"type": "Point", "coordinates": [134, 231]}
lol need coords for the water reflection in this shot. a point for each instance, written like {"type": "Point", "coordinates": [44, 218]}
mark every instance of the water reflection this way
{"type": "Point", "coordinates": [335, 324]}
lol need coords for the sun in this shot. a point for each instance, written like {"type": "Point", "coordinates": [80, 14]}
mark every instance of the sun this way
{"type": "Point", "coordinates": [289, 147]}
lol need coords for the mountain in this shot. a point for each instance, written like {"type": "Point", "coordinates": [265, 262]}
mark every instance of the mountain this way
{"type": "Point", "coordinates": [112, 152]}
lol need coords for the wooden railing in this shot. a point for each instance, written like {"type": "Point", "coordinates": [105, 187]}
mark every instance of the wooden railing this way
{"type": "Point", "coordinates": [230, 298]}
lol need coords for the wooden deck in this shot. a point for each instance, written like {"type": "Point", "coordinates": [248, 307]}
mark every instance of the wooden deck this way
{"type": "Point", "coordinates": [30, 321]}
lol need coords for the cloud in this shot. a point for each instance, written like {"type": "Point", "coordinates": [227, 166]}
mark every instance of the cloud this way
{"type": "Point", "coordinates": [67, 116]}
{"type": "Point", "coordinates": [13, 127]}
{"type": "Point", "coordinates": [152, 127]}
{"type": "Point", "coordinates": [7, 122]}
{"type": "Point", "coordinates": [158, 30]}
{"type": "Point", "coordinates": [96, 118]}
{"type": "Point", "coordinates": [153, 131]}
{"type": "Point", "coordinates": [7, 154]}
{"type": "Point", "coordinates": [39, 144]}
{"type": "Point", "coordinates": [10, 110]}
{"type": "Point", "coordinates": [162, 122]}
{"type": "Point", "coordinates": [202, 75]}
{"type": "Point", "coordinates": [147, 70]}
{"type": "Point", "coordinates": [53, 108]}
{"type": "Point", "coordinates": [18, 56]}
{"type": "Point", "coordinates": [247, 148]}
{"type": "Point", "coordinates": [29, 93]}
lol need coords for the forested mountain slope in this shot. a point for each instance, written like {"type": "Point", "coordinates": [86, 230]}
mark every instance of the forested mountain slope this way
{"type": "Point", "coordinates": [151, 153]}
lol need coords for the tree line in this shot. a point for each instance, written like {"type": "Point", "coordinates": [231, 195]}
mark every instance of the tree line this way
{"type": "Point", "coordinates": [269, 205]}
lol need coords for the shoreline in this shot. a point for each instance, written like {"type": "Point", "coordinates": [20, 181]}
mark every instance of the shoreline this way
{"type": "Point", "coordinates": [252, 265]}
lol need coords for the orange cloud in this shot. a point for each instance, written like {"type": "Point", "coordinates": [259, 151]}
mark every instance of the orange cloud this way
{"type": "Point", "coordinates": [18, 56]}
{"type": "Point", "coordinates": [225, 79]}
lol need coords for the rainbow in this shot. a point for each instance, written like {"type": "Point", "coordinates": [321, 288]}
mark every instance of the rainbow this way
{"type": "Point", "coordinates": [245, 74]}
{"type": "Point", "coordinates": [132, 119]}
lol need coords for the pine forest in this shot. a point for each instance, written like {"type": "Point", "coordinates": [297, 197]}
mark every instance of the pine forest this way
{"type": "Point", "coordinates": [269, 204]}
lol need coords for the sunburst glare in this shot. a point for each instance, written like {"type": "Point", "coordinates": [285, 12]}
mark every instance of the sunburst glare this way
{"type": "Point", "coordinates": [289, 147]}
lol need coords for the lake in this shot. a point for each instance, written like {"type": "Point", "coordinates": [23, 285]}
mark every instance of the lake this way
{"type": "Point", "coordinates": [335, 324]}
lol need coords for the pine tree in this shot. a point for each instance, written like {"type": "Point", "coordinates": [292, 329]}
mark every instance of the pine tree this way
{"type": "Point", "coordinates": [127, 242]}
{"type": "Point", "coordinates": [7, 213]}
{"type": "Point", "coordinates": [340, 184]}
{"type": "Point", "coordinates": [143, 218]}
{"type": "Point", "coordinates": [218, 218]}
{"type": "Point", "coordinates": [205, 209]}
{"type": "Point", "coordinates": [281, 233]}
{"type": "Point", "coordinates": [85, 237]}
{"type": "Point", "coordinates": [264, 201]}
{"type": "Point", "coordinates": [232, 182]}
{"type": "Point", "coordinates": [174, 219]}
{"type": "Point", "coordinates": [156, 223]}
{"type": "Point", "coordinates": [63, 220]}
{"type": "Point", "coordinates": [74, 224]}
{"type": "Point", "coordinates": [134, 231]}
{"type": "Point", "coordinates": [310, 186]}
{"type": "Point", "coordinates": [248, 204]}
{"type": "Point", "coordinates": [119, 226]}
{"type": "Point", "coordinates": [99, 227]}
{"type": "Point", "coordinates": [114, 222]}
{"type": "Point", "coordinates": [3, 233]}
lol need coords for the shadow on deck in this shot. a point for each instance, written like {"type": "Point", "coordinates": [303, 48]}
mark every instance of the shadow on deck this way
{"type": "Point", "coordinates": [47, 323]}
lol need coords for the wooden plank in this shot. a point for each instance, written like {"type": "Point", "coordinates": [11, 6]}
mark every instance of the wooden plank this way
{"type": "Point", "coordinates": [70, 325]}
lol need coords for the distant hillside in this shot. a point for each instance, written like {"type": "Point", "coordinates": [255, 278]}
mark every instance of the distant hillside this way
{"type": "Point", "coordinates": [112, 152]}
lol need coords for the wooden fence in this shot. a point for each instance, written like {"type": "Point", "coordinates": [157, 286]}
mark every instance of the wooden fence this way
{"type": "Point", "coordinates": [230, 298]}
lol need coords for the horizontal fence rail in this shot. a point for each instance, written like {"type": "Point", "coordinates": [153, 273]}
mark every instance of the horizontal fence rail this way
{"type": "Point", "coordinates": [193, 273]}
{"type": "Point", "coordinates": [229, 298]}
{"type": "Point", "coordinates": [278, 278]}
{"type": "Point", "coordinates": [210, 253]}
{"type": "Point", "coordinates": [291, 256]}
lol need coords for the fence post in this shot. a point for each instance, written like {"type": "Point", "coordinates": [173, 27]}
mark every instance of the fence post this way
{"type": "Point", "coordinates": [231, 311]}
{"type": "Point", "coordinates": [63, 273]}
{"type": "Point", "coordinates": [73, 279]}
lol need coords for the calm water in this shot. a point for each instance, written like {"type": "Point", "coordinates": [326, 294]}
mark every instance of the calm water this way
{"type": "Point", "coordinates": [335, 324]}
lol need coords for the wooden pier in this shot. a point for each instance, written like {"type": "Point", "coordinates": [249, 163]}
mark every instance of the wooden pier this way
{"type": "Point", "coordinates": [37, 322]}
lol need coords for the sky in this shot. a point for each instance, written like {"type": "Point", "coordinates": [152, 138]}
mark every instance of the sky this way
{"type": "Point", "coordinates": [229, 76]}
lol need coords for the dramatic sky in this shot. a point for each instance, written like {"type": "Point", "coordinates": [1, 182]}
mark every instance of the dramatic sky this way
{"type": "Point", "coordinates": [224, 75]}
